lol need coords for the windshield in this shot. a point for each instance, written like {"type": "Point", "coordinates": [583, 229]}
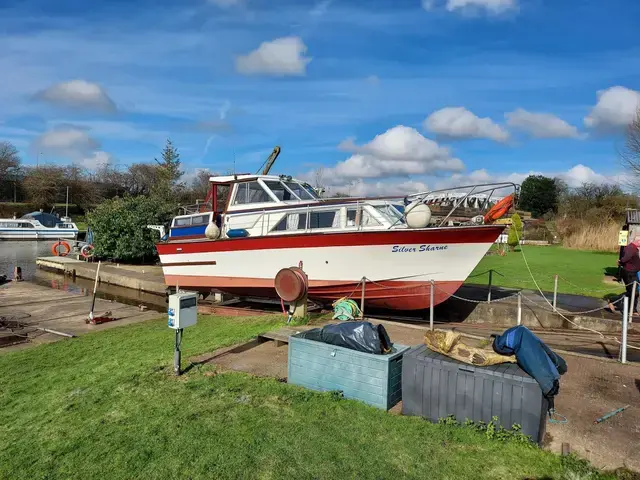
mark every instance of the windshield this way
{"type": "Point", "coordinates": [392, 212]}
{"type": "Point", "coordinates": [299, 190]}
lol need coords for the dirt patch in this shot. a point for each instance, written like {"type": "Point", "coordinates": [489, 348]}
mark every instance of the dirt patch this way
{"type": "Point", "coordinates": [589, 390]}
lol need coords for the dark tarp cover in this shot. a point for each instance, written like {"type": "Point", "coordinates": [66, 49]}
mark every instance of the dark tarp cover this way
{"type": "Point", "coordinates": [534, 357]}
{"type": "Point", "coordinates": [360, 336]}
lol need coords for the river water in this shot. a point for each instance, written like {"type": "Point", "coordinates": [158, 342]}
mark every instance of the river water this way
{"type": "Point", "coordinates": [23, 254]}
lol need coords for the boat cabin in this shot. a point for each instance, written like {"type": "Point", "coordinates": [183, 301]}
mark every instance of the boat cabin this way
{"type": "Point", "coordinates": [259, 205]}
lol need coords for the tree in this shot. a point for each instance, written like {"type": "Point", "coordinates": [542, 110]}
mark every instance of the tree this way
{"type": "Point", "coordinates": [540, 195]}
{"type": "Point", "coordinates": [120, 227]}
{"type": "Point", "coordinates": [515, 231]}
{"type": "Point", "coordinates": [200, 184]}
{"type": "Point", "coordinates": [43, 185]}
{"type": "Point", "coordinates": [168, 169]}
{"type": "Point", "coordinates": [142, 178]}
{"type": "Point", "coordinates": [631, 153]}
{"type": "Point", "coordinates": [9, 159]}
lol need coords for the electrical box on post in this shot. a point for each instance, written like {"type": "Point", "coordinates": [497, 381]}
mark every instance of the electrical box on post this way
{"type": "Point", "coordinates": [183, 310]}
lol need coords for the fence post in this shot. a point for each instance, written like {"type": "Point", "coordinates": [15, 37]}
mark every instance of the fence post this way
{"type": "Point", "coordinates": [519, 308]}
{"type": "Point", "coordinates": [364, 283]}
{"type": "Point", "coordinates": [490, 282]}
{"type": "Point", "coordinates": [555, 293]}
{"type": "Point", "coordinates": [432, 296]}
{"type": "Point", "coordinates": [625, 318]}
{"type": "Point", "coordinates": [634, 292]}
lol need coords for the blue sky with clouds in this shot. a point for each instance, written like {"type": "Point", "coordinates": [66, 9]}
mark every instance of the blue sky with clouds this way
{"type": "Point", "coordinates": [383, 95]}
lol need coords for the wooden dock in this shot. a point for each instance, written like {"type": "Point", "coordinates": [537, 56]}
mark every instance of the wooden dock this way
{"type": "Point", "coordinates": [32, 312]}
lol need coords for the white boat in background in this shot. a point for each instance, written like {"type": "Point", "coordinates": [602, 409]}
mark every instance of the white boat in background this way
{"type": "Point", "coordinates": [37, 226]}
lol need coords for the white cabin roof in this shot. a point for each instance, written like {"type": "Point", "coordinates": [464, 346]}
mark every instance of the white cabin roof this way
{"type": "Point", "coordinates": [246, 177]}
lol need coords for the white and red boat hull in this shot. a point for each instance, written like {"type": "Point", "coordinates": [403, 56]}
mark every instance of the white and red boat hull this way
{"type": "Point", "coordinates": [399, 264]}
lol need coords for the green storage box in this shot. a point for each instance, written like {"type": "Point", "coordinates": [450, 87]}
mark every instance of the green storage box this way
{"type": "Point", "coordinates": [373, 379]}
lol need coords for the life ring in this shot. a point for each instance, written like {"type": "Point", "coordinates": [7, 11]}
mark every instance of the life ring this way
{"type": "Point", "coordinates": [87, 251]}
{"type": "Point", "coordinates": [499, 209]}
{"type": "Point", "coordinates": [62, 244]}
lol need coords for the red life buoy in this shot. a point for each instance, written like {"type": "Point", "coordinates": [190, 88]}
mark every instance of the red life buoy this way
{"type": "Point", "coordinates": [65, 246]}
{"type": "Point", "coordinates": [87, 251]}
{"type": "Point", "coordinates": [499, 209]}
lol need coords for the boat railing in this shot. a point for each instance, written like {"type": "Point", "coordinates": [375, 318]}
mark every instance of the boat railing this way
{"type": "Point", "coordinates": [198, 207]}
{"type": "Point", "coordinates": [458, 195]}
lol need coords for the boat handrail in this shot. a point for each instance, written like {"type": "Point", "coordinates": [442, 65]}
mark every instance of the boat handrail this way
{"type": "Point", "coordinates": [477, 189]}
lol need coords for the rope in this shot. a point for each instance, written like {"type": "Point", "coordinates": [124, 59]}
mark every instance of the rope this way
{"type": "Point", "coordinates": [561, 420]}
{"type": "Point", "coordinates": [524, 257]}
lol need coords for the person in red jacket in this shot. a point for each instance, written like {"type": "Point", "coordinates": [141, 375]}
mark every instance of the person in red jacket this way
{"type": "Point", "coordinates": [630, 263]}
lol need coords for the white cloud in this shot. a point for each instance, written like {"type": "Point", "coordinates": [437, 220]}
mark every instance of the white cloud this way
{"type": "Point", "coordinates": [72, 143]}
{"type": "Point", "coordinates": [492, 7]}
{"type": "Point", "coordinates": [616, 108]}
{"type": "Point", "coordinates": [320, 8]}
{"type": "Point", "coordinates": [280, 57]}
{"type": "Point", "coordinates": [66, 141]}
{"type": "Point", "coordinates": [78, 94]}
{"type": "Point", "coordinates": [574, 177]}
{"type": "Point", "coordinates": [96, 159]}
{"type": "Point", "coordinates": [460, 123]}
{"type": "Point", "coordinates": [541, 125]}
{"type": "Point", "coordinates": [399, 151]}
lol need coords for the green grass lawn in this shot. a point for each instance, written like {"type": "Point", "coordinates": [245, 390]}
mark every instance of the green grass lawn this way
{"type": "Point", "coordinates": [579, 272]}
{"type": "Point", "coordinates": [107, 406]}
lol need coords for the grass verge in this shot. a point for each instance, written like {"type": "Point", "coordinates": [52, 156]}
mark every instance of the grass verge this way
{"type": "Point", "coordinates": [106, 405]}
{"type": "Point", "coordinates": [580, 272]}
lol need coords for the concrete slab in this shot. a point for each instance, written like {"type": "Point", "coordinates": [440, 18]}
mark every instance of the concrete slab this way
{"type": "Point", "coordinates": [147, 278]}
{"type": "Point", "coordinates": [36, 306]}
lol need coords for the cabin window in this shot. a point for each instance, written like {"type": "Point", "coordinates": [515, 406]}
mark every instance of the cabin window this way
{"type": "Point", "coordinates": [325, 219]}
{"type": "Point", "coordinates": [27, 225]}
{"type": "Point", "coordinates": [366, 219]}
{"type": "Point", "coordinates": [298, 190]}
{"type": "Point", "coordinates": [200, 220]}
{"type": "Point", "coordinates": [182, 222]}
{"type": "Point", "coordinates": [222, 196]}
{"type": "Point", "coordinates": [251, 192]}
{"type": "Point", "coordinates": [292, 221]}
{"type": "Point", "coordinates": [280, 191]}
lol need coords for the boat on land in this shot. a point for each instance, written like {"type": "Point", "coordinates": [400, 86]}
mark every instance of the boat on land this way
{"type": "Point", "coordinates": [254, 225]}
{"type": "Point", "coordinates": [38, 226]}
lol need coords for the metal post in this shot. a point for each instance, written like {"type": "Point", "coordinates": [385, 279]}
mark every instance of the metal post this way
{"type": "Point", "coordinates": [95, 289]}
{"type": "Point", "coordinates": [555, 293]}
{"type": "Point", "coordinates": [177, 353]}
{"type": "Point", "coordinates": [432, 296]}
{"type": "Point", "coordinates": [364, 283]}
{"type": "Point", "coordinates": [625, 318]}
{"type": "Point", "coordinates": [519, 308]}
{"type": "Point", "coordinates": [632, 310]}
{"type": "Point", "coordinates": [490, 283]}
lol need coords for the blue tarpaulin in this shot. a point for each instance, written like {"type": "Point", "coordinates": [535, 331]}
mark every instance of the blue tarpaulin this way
{"type": "Point", "coordinates": [533, 356]}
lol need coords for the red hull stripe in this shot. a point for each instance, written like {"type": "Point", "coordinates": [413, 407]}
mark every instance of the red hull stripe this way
{"type": "Point", "coordinates": [400, 295]}
{"type": "Point", "coordinates": [449, 235]}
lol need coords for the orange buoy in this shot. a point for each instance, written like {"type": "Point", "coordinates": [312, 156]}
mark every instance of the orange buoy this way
{"type": "Point", "coordinates": [291, 284]}
{"type": "Point", "coordinates": [65, 246]}
{"type": "Point", "coordinates": [499, 209]}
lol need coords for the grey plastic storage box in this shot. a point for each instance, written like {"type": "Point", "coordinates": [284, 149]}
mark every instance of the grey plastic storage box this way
{"type": "Point", "coordinates": [435, 386]}
{"type": "Point", "coordinates": [373, 379]}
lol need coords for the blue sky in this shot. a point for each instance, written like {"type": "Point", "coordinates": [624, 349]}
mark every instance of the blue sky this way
{"type": "Point", "coordinates": [382, 95]}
